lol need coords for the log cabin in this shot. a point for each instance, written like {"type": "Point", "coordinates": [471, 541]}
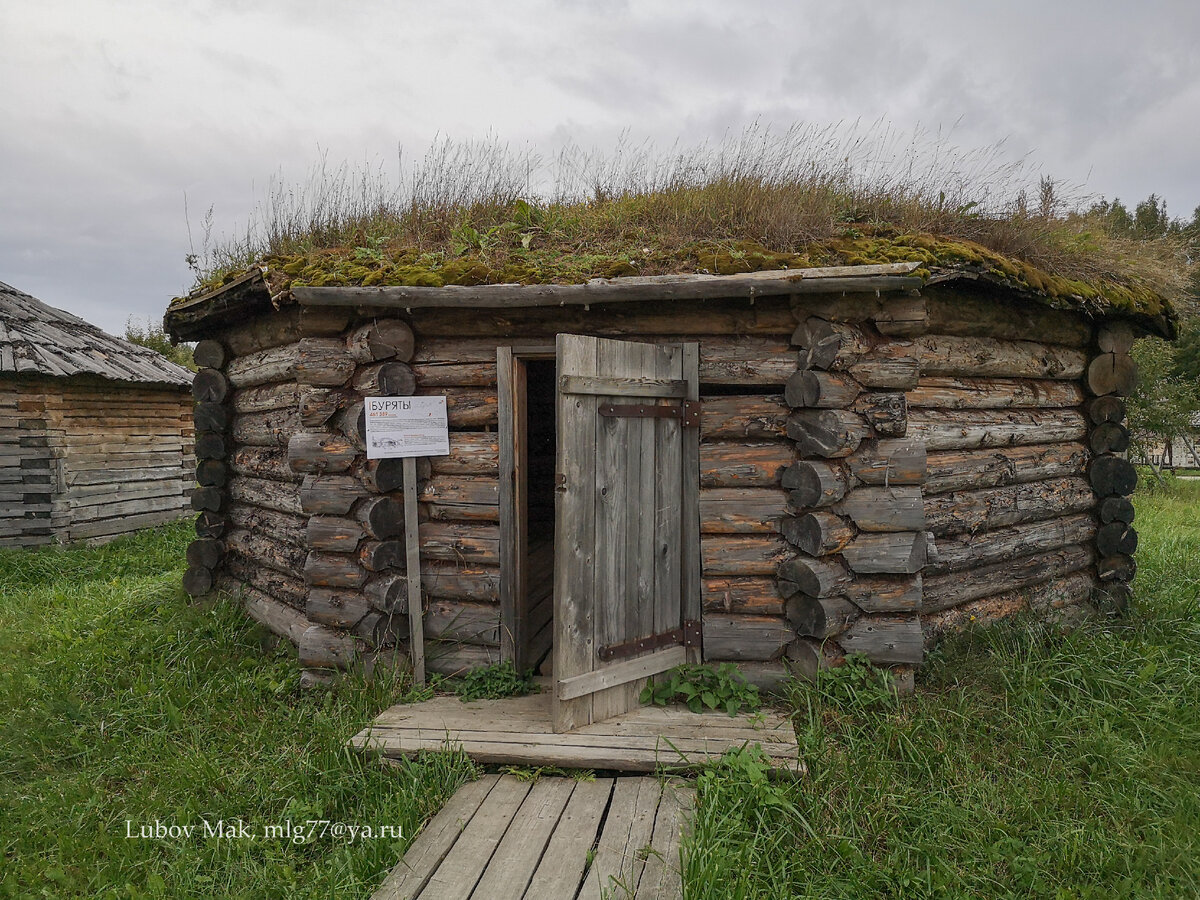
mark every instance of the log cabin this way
{"type": "Point", "coordinates": [95, 432]}
{"type": "Point", "coordinates": [775, 468]}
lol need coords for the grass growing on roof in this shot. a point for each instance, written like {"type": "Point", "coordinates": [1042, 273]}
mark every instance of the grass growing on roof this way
{"type": "Point", "coordinates": [1027, 764]}
{"type": "Point", "coordinates": [122, 702]}
{"type": "Point", "coordinates": [473, 213]}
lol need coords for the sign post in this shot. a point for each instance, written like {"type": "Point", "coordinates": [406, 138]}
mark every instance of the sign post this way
{"type": "Point", "coordinates": [406, 428]}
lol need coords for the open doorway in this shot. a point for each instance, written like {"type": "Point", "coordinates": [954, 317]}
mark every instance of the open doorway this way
{"type": "Point", "coordinates": [528, 432]}
{"type": "Point", "coordinates": [542, 431]}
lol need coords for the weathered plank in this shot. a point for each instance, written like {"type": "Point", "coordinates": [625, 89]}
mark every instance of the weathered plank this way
{"type": "Point", "coordinates": [432, 845]}
{"type": "Point", "coordinates": [973, 511]}
{"type": "Point", "coordinates": [990, 467]}
{"type": "Point", "coordinates": [901, 552]}
{"type": "Point", "coordinates": [975, 428]}
{"type": "Point", "coordinates": [658, 288]}
{"type": "Point", "coordinates": [980, 357]}
{"type": "Point", "coordinates": [994, 393]}
{"type": "Point", "coordinates": [965, 551]}
{"type": "Point", "coordinates": [886, 640]}
{"type": "Point", "coordinates": [944, 591]}
{"type": "Point", "coordinates": [566, 858]}
{"type": "Point", "coordinates": [738, 637]}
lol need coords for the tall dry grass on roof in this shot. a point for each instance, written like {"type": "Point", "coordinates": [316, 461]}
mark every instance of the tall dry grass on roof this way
{"type": "Point", "coordinates": [785, 191]}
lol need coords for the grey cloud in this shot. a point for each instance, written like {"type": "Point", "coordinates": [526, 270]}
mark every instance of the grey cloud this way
{"type": "Point", "coordinates": [118, 115]}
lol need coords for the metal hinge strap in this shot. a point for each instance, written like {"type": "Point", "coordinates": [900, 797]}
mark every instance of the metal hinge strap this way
{"type": "Point", "coordinates": [688, 636]}
{"type": "Point", "coordinates": [687, 411]}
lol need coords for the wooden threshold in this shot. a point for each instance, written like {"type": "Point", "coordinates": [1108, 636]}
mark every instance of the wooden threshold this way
{"type": "Point", "coordinates": [519, 731]}
{"type": "Point", "coordinates": [555, 839]}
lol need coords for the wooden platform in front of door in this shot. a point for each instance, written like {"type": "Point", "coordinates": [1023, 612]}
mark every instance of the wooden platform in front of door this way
{"type": "Point", "coordinates": [518, 731]}
{"type": "Point", "coordinates": [555, 839]}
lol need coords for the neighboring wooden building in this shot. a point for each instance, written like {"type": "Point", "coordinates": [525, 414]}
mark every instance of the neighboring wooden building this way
{"type": "Point", "coordinates": [95, 432]}
{"type": "Point", "coordinates": [1183, 452]}
{"type": "Point", "coordinates": [774, 468]}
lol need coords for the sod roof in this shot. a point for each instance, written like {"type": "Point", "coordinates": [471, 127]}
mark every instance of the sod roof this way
{"type": "Point", "coordinates": [930, 259]}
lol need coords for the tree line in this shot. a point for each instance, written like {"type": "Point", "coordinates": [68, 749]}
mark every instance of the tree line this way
{"type": "Point", "coordinates": [1167, 402]}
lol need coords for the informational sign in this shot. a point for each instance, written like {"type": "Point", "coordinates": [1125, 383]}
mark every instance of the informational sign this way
{"type": "Point", "coordinates": [406, 426]}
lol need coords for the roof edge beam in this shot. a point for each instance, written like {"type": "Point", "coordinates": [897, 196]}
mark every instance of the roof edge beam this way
{"type": "Point", "coordinates": [669, 287]}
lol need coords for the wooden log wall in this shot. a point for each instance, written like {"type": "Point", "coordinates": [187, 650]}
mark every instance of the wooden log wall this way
{"type": "Point", "coordinates": [745, 359]}
{"type": "Point", "coordinates": [1026, 502]}
{"type": "Point", "coordinates": [293, 540]}
{"type": "Point", "coordinates": [857, 523]}
{"type": "Point", "coordinates": [354, 532]}
{"type": "Point", "coordinates": [947, 457]}
{"type": "Point", "coordinates": [1111, 376]}
{"type": "Point", "coordinates": [865, 461]}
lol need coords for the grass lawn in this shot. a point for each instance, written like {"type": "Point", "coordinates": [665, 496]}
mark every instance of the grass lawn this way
{"type": "Point", "coordinates": [1027, 764]}
{"type": "Point", "coordinates": [123, 702]}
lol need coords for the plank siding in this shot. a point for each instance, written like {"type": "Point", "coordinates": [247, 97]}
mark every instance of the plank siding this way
{"type": "Point", "coordinates": [93, 459]}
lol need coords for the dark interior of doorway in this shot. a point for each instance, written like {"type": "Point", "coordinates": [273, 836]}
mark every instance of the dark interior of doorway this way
{"type": "Point", "coordinates": [541, 433]}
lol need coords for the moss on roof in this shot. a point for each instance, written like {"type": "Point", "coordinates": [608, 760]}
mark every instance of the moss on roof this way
{"type": "Point", "coordinates": [390, 265]}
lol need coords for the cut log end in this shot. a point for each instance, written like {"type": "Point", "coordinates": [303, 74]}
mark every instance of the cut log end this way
{"type": "Point", "coordinates": [210, 524]}
{"type": "Point", "coordinates": [1116, 509]}
{"type": "Point", "coordinates": [210, 446]}
{"type": "Point", "coordinates": [382, 339]}
{"type": "Point", "coordinates": [209, 354]}
{"type": "Point", "coordinates": [1117, 568]}
{"type": "Point", "coordinates": [210, 386]}
{"type": "Point", "coordinates": [808, 388]}
{"type": "Point", "coordinates": [1109, 437]}
{"type": "Point", "coordinates": [1112, 598]}
{"type": "Point", "coordinates": [1112, 476]}
{"type": "Point", "coordinates": [829, 433]}
{"type": "Point", "coordinates": [1108, 408]}
{"type": "Point", "coordinates": [813, 576]}
{"type": "Point", "coordinates": [1112, 373]}
{"type": "Point", "coordinates": [1116, 538]}
{"type": "Point", "coordinates": [813, 484]}
{"type": "Point", "coordinates": [821, 618]}
{"type": "Point", "coordinates": [211, 473]}
{"type": "Point", "coordinates": [817, 533]}
{"type": "Point", "coordinates": [197, 580]}
{"type": "Point", "coordinates": [205, 552]}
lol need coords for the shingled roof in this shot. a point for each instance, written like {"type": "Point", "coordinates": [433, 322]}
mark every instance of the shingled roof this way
{"type": "Point", "coordinates": [37, 339]}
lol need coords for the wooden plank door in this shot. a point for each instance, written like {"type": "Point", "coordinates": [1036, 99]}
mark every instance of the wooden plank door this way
{"type": "Point", "coordinates": [627, 530]}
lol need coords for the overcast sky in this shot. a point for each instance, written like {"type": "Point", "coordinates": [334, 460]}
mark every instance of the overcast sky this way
{"type": "Point", "coordinates": [112, 111]}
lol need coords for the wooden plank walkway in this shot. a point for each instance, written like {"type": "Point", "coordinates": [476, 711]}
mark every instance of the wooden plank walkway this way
{"type": "Point", "coordinates": [517, 731]}
{"type": "Point", "coordinates": [555, 839]}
